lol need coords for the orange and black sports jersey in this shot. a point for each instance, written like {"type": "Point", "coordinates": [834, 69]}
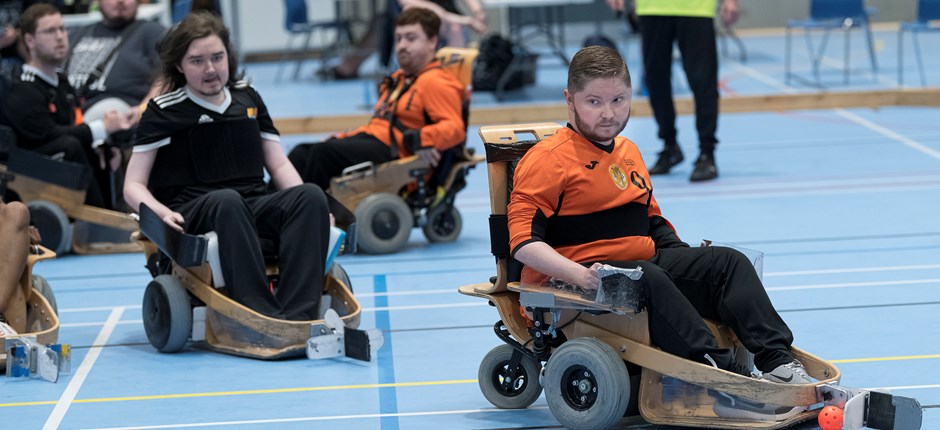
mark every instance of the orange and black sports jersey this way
{"type": "Point", "coordinates": [588, 201]}
{"type": "Point", "coordinates": [431, 103]}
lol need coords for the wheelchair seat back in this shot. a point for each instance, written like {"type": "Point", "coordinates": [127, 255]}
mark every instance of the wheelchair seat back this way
{"type": "Point", "coordinates": [505, 146]}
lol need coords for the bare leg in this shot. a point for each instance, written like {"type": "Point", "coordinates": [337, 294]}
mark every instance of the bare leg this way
{"type": "Point", "coordinates": [14, 238]}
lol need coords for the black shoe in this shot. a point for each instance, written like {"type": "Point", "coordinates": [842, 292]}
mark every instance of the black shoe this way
{"type": "Point", "coordinates": [668, 158]}
{"type": "Point", "coordinates": [705, 168]}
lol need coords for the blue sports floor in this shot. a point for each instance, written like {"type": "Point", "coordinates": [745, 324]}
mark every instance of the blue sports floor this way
{"type": "Point", "coordinates": [844, 203]}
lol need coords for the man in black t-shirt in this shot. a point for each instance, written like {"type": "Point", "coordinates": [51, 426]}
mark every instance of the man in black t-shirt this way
{"type": "Point", "coordinates": [128, 72]}
{"type": "Point", "coordinates": [199, 160]}
{"type": "Point", "coordinates": [42, 107]}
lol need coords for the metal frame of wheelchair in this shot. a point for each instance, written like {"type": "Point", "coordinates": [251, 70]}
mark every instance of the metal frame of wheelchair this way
{"type": "Point", "coordinates": [34, 302]}
{"type": "Point", "coordinates": [606, 369]}
{"type": "Point", "coordinates": [40, 183]}
{"type": "Point", "coordinates": [181, 304]}
{"type": "Point", "coordinates": [374, 193]}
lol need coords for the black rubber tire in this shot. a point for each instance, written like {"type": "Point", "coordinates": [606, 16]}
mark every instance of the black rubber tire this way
{"type": "Point", "coordinates": [384, 223]}
{"type": "Point", "coordinates": [53, 225]}
{"type": "Point", "coordinates": [167, 313]}
{"type": "Point", "coordinates": [444, 224]}
{"type": "Point", "coordinates": [587, 385]}
{"type": "Point", "coordinates": [525, 389]}
{"type": "Point", "coordinates": [40, 284]}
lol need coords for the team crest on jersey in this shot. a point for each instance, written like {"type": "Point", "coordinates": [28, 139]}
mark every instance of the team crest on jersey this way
{"type": "Point", "coordinates": [629, 162]}
{"type": "Point", "coordinates": [617, 175]}
{"type": "Point", "coordinates": [252, 112]}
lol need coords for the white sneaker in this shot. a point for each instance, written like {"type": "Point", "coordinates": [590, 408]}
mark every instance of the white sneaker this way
{"type": "Point", "coordinates": [790, 373]}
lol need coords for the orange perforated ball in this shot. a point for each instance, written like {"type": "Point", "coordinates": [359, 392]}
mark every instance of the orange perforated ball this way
{"type": "Point", "coordinates": [830, 418]}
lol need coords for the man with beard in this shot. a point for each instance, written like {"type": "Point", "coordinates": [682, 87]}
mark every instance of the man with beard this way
{"type": "Point", "coordinates": [199, 159]}
{"type": "Point", "coordinates": [112, 66]}
{"type": "Point", "coordinates": [42, 106]}
{"type": "Point", "coordinates": [419, 110]}
{"type": "Point", "coordinates": [583, 198]}
{"type": "Point", "coordinates": [116, 57]}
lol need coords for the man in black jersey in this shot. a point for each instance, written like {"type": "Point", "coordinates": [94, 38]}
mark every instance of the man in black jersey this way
{"type": "Point", "coordinates": [42, 106]}
{"type": "Point", "coordinates": [199, 160]}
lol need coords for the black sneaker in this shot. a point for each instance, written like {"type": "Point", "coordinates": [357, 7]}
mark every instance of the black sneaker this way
{"type": "Point", "coordinates": [668, 158]}
{"type": "Point", "coordinates": [705, 168]}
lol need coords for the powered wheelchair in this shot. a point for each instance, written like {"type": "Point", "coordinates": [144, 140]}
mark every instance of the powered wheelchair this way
{"type": "Point", "coordinates": [54, 192]}
{"type": "Point", "coordinates": [594, 360]}
{"type": "Point", "coordinates": [391, 198]}
{"type": "Point", "coordinates": [186, 300]}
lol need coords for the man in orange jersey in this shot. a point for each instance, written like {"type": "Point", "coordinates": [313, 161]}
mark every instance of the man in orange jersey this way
{"type": "Point", "coordinates": [419, 110]}
{"type": "Point", "coordinates": [583, 197]}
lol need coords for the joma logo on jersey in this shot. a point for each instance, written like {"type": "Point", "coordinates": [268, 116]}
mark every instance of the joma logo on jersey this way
{"type": "Point", "coordinates": [617, 175]}
{"type": "Point", "coordinates": [252, 112]}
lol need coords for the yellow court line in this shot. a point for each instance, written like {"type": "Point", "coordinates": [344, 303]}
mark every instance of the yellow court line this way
{"type": "Point", "coordinates": [247, 392]}
{"type": "Point", "coordinates": [365, 386]}
{"type": "Point", "coordinates": [898, 358]}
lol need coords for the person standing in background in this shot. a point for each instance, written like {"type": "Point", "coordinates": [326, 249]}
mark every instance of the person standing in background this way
{"type": "Point", "coordinates": [691, 25]}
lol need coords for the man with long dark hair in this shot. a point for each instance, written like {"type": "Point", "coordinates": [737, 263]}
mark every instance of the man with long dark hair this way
{"type": "Point", "coordinates": [199, 161]}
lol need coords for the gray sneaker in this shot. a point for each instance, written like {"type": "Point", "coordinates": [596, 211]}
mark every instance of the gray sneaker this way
{"type": "Point", "coordinates": [790, 373]}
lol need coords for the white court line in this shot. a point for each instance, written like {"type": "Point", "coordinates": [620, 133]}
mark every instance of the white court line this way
{"type": "Point", "coordinates": [483, 303]}
{"type": "Point", "coordinates": [853, 270]}
{"type": "Point", "coordinates": [94, 324]}
{"type": "Point", "coordinates": [891, 134]}
{"type": "Point", "coordinates": [328, 418]}
{"type": "Point", "coordinates": [98, 308]}
{"type": "Point", "coordinates": [855, 284]}
{"type": "Point", "coordinates": [454, 290]}
{"type": "Point", "coordinates": [437, 306]}
{"type": "Point", "coordinates": [62, 406]}
{"type": "Point", "coordinates": [762, 77]}
{"type": "Point", "coordinates": [909, 387]}
{"type": "Point", "coordinates": [407, 293]}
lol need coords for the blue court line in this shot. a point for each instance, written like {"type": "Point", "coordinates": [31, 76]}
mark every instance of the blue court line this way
{"type": "Point", "coordinates": [388, 396]}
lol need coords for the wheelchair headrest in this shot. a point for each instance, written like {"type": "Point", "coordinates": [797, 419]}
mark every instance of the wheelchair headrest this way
{"type": "Point", "coordinates": [459, 61]}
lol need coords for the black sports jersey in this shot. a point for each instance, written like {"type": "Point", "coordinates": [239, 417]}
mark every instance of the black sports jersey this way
{"type": "Point", "coordinates": [41, 108]}
{"type": "Point", "coordinates": [169, 119]}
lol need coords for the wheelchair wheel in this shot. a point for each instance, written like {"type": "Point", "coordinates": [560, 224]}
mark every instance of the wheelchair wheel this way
{"type": "Point", "coordinates": [587, 385]}
{"type": "Point", "coordinates": [40, 284]}
{"type": "Point", "coordinates": [519, 393]}
{"type": "Point", "coordinates": [168, 316]}
{"type": "Point", "coordinates": [384, 223]}
{"type": "Point", "coordinates": [52, 223]}
{"type": "Point", "coordinates": [444, 224]}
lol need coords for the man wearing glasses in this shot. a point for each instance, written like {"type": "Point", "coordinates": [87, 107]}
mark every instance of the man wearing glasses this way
{"type": "Point", "coordinates": [42, 108]}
